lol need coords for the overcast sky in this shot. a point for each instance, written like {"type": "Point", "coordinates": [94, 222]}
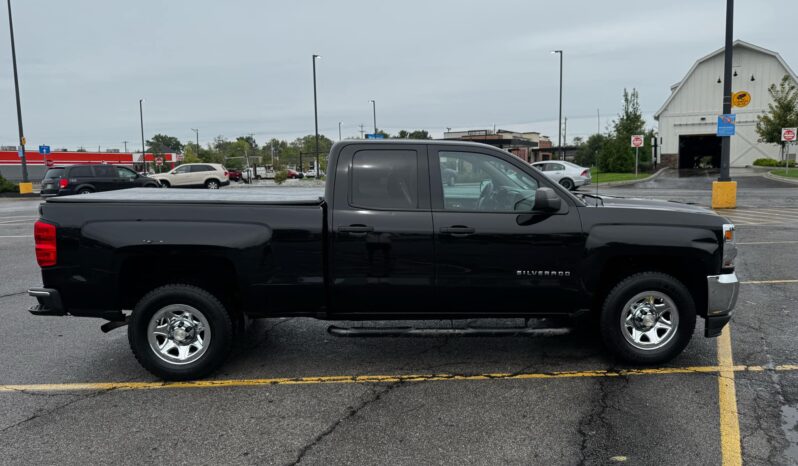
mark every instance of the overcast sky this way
{"type": "Point", "coordinates": [237, 67]}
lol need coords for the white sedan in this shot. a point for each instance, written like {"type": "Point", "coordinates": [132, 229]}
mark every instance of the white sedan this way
{"type": "Point", "coordinates": [569, 175]}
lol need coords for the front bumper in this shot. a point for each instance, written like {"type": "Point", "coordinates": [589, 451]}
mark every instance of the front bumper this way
{"type": "Point", "coordinates": [722, 291]}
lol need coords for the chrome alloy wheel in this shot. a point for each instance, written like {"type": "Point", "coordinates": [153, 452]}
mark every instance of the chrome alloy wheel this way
{"type": "Point", "coordinates": [213, 185]}
{"type": "Point", "coordinates": [179, 334]}
{"type": "Point", "coordinates": [649, 320]}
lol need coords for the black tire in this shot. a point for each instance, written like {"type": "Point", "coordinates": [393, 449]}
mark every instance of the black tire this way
{"type": "Point", "coordinates": [213, 311]}
{"type": "Point", "coordinates": [151, 185]}
{"type": "Point", "coordinates": [614, 309]}
{"type": "Point", "coordinates": [567, 183]}
{"type": "Point", "coordinates": [212, 184]}
{"type": "Point", "coordinates": [85, 191]}
{"type": "Point", "coordinates": [165, 184]}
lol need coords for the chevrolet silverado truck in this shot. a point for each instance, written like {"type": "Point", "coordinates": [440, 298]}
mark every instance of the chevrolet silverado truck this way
{"type": "Point", "coordinates": [386, 239]}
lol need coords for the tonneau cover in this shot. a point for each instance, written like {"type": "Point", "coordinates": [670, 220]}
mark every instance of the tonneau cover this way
{"type": "Point", "coordinates": [255, 195]}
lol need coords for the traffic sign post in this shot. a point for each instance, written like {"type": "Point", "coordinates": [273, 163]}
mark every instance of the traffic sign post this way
{"type": "Point", "coordinates": [788, 136]}
{"type": "Point", "coordinates": [637, 143]}
{"type": "Point", "coordinates": [44, 150]}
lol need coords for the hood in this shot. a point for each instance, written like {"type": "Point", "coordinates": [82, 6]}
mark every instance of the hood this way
{"type": "Point", "coordinates": [653, 204]}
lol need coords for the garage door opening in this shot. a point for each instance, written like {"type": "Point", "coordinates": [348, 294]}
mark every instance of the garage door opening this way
{"type": "Point", "coordinates": [699, 151]}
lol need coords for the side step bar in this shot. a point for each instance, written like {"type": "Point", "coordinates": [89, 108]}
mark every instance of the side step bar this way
{"type": "Point", "coordinates": [445, 332]}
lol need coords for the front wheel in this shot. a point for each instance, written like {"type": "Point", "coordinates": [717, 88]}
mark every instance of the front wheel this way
{"type": "Point", "coordinates": [180, 332]}
{"type": "Point", "coordinates": [165, 184]}
{"type": "Point", "coordinates": [648, 318]}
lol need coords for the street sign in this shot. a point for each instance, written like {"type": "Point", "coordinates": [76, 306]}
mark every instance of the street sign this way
{"type": "Point", "coordinates": [637, 140]}
{"type": "Point", "coordinates": [44, 149]}
{"type": "Point", "coordinates": [158, 161]}
{"type": "Point", "coordinates": [49, 163]}
{"type": "Point", "coordinates": [741, 99]}
{"type": "Point", "coordinates": [726, 125]}
{"type": "Point", "coordinates": [20, 153]}
{"type": "Point", "coordinates": [375, 136]}
{"type": "Point", "coordinates": [789, 134]}
{"type": "Point", "coordinates": [179, 157]}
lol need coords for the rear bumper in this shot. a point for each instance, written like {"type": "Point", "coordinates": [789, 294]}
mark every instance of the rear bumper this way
{"type": "Point", "coordinates": [722, 292]}
{"type": "Point", "coordinates": [49, 302]}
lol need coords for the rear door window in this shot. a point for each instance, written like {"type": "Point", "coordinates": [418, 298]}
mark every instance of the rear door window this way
{"type": "Point", "coordinates": [54, 174]}
{"type": "Point", "coordinates": [80, 172]}
{"type": "Point", "coordinates": [201, 168]}
{"type": "Point", "coordinates": [105, 171]}
{"type": "Point", "coordinates": [385, 179]}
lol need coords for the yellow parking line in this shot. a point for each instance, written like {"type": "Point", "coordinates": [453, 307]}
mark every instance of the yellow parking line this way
{"type": "Point", "coordinates": [353, 379]}
{"type": "Point", "coordinates": [727, 395]}
{"type": "Point", "coordinates": [767, 282]}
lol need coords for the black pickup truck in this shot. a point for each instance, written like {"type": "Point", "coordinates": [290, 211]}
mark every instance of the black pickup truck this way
{"type": "Point", "coordinates": [386, 239]}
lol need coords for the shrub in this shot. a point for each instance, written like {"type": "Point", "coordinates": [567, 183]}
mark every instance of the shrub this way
{"type": "Point", "coordinates": [772, 163]}
{"type": "Point", "coordinates": [7, 186]}
{"type": "Point", "coordinates": [281, 176]}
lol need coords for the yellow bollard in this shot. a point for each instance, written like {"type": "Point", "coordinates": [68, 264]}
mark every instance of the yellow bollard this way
{"type": "Point", "coordinates": [724, 194]}
{"type": "Point", "coordinates": [25, 188]}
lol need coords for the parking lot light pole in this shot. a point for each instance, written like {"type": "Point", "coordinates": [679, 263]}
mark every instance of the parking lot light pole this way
{"type": "Point", "coordinates": [316, 115]}
{"type": "Point", "coordinates": [143, 150]}
{"type": "Point", "coordinates": [725, 150]}
{"type": "Point", "coordinates": [374, 114]}
{"type": "Point", "coordinates": [559, 119]}
{"type": "Point", "coordinates": [339, 130]}
{"type": "Point", "coordinates": [19, 105]}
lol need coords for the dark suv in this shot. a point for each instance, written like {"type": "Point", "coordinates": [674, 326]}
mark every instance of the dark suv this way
{"type": "Point", "coordinates": [85, 179]}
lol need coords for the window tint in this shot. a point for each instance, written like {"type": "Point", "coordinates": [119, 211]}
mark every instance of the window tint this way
{"type": "Point", "coordinates": [80, 172]}
{"type": "Point", "coordinates": [104, 171]}
{"type": "Point", "coordinates": [385, 179]}
{"type": "Point", "coordinates": [201, 168]}
{"type": "Point", "coordinates": [54, 173]}
{"type": "Point", "coordinates": [481, 182]}
{"type": "Point", "coordinates": [182, 169]}
{"type": "Point", "coordinates": [556, 167]}
{"type": "Point", "coordinates": [123, 172]}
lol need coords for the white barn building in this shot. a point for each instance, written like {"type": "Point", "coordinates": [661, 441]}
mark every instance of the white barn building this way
{"type": "Point", "coordinates": [688, 118]}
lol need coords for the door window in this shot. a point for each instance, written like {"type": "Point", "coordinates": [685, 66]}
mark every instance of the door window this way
{"type": "Point", "coordinates": [556, 167]}
{"type": "Point", "coordinates": [104, 171]}
{"type": "Point", "coordinates": [182, 169]}
{"type": "Point", "coordinates": [125, 173]}
{"type": "Point", "coordinates": [201, 168]}
{"type": "Point", "coordinates": [80, 172]}
{"type": "Point", "coordinates": [480, 182]}
{"type": "Point", "coordinates": [385, 179]}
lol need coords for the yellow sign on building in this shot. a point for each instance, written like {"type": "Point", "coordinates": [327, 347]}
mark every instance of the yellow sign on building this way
{"type": "Point", "coordinates": [741, 99]}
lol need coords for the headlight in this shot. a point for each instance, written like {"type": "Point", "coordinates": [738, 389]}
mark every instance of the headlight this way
{"type": "Point", "coordinates": [729, 246]}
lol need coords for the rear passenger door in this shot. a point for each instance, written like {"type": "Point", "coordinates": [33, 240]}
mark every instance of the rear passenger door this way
{"type": "Point", "coordinates": [198, 174]}
{"type": "Point", "coordinates": [382, 252]}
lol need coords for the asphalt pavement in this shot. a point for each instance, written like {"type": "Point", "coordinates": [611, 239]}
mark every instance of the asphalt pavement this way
{"type": "Point", "coordinates": [292, 393]}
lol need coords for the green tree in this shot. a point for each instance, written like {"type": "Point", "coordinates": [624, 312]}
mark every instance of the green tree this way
{"type": "Point", "coordinates": [161, 144]}
{"type": "Point", "coordinates": [782, 112]}
{"type": "Point", "coordinates": [587, 151]}
{"type": "Point", "coordinates": [617, 154]}
{"type": "Point", "coordinates": [417, 134]}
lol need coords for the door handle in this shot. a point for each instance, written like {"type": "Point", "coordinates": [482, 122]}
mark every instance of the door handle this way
{"type": "Point", "coordinates": [356, 229]}
{"type": "Point", "coordinates": [458, 230]}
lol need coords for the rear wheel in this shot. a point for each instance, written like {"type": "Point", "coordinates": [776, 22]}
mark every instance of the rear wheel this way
{"type": "Point", "coordinates": [567, 183]}
{"type": "Point", "coordinates": [85, 191]}
{"type": "Point", "coordinates": [180, 332]}
{"type": "Point", "coordinates": [212, 184]}
{"type": "Point", "coordinates": [648, 318]}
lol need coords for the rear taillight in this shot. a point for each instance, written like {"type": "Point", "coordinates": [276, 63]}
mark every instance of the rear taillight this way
{"type": "Point", "coordinates": [226, 174]}
{"type": "Point", "coordinates": [44, 236]}
{"type": "Point", "coordinates": [62, 183]}
{"type": "Point", "coordinates": [585, 173]}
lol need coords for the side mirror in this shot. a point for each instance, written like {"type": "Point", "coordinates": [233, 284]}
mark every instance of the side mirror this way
{"type": "Point", "coordinates": [547, 200]}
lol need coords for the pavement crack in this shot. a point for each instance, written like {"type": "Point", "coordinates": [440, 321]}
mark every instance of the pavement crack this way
{"type": "Point", "coordinates": [18, 293]}
{"type": "Point", "coordinates": [351, 412]}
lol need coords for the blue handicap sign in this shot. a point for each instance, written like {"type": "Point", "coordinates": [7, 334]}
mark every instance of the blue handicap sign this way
{"type": "Point", "coordinates": [726, 125]}
{"type": "Point", "coordinates": [44, 149]}
{"type": "Point", "coordinates": [20, 153]}
{"type": "Point", "coordinates": [375, 136]}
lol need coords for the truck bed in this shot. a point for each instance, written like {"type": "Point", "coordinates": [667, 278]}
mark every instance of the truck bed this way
{"type": "Point", "coordinates": [265, 195]}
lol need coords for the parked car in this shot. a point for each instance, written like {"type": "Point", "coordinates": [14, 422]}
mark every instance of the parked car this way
{"type": "Point", "coordinates": [195, 175]}
{"type": "Point", "coordinates": [294, 175]}
{"type": "Point", "coordinates": [235, 175]}
{"type": "Point", "coordinates": [570, 175]}
{"type": "Point", "coordinates": [311, 173]}
{"type": "Point", "coordinates": [383, 236]}
{"type": "Point", "coordinates": [85, 179]}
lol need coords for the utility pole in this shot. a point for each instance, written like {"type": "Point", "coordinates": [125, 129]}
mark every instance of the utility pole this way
{"type": "Point", "coordinates": [565, 134]}
{"type": "Point", "coordinates": [725, 151]}
{"type": "Point", "coordinates": [19, 104]}
{"type": "Point", "coordinates": [143, 151]}
{"type": "Point", "coordinates": [196, 132]}
{"type": "Point", "coordinates": [125, 143]}
{"type": "Point", "coordinates": [361, 130]}
{"type": "Point", "coordinates": [339, 130]}
{"type": "Point", "coordinates": [559, 127]}
{"type": "Point", "coordinates": [316, 115]}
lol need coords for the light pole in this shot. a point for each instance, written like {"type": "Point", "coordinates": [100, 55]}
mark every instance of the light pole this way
{"type": "Point", "coordinates": [19, 105]}
{"type": "Point", "coordinates": [725, 148]}
{"type": "Point", "coordinates": [143, 150]}
{"type": "Point", "coordinates": [196, 131]}
{"type": "Point", "coordinates": [559, 119]}
{"type": "Point", "coordinates": [339, 130]}
{"type": "Point", "coordinates": [316, 115]}
{"type": "Point", "coordinates": [374, 113]}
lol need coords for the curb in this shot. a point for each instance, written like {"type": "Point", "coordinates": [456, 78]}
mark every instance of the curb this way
{"type": "Point", "coordinates": [612, 184]}
{"type": "Point", "coordinates": [783, 179]}
{"type": "Point", "coordinates": [18, 195]}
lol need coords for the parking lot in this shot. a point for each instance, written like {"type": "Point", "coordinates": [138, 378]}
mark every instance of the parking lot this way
{"type": "Point", "coordinates": [293, 393]}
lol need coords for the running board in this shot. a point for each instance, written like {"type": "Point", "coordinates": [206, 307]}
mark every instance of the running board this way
{"type": "Point", "coordinates": [445, 332]}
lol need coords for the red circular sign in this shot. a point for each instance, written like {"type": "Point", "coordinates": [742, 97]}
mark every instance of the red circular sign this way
{"type": "Point", "coordinates": [788, 135]}
{"type": "Point", "coordinates": [637, 141]}
{"type": "Point", "coordinates": [49, 163]}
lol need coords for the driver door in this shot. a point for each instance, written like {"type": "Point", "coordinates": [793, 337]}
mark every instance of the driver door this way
{"type": "Point", "coordinates": [181, 176]}
{"type": "Point", "coordinates": [494, 253]}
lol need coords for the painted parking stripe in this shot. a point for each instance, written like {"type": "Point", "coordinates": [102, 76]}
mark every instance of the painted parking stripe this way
{"type": "Point", "coordinates": [749, 243]}
{"type": "Point", "coordinates": [731, 452]}
{"type": "Point", "coordinates": [376, 379]}
{"type": "Point", "coordinates": [768, 282]}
